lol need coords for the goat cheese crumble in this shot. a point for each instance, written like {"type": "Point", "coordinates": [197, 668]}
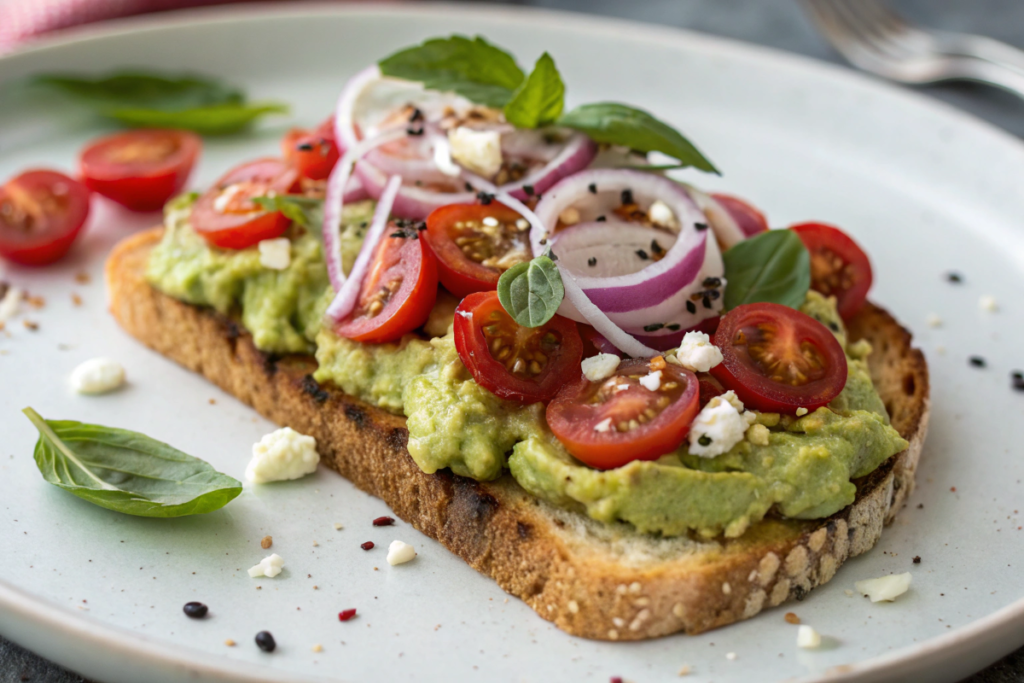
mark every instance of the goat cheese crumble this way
{"type": "Point", "coordinates": [600, 367]}
{"type": "Point", "coordinates": [275, 254]}
{"type": "Point", "coordinates": [651, 381]}
{"type": "Point", "coordinates": [97, 376]}
{"type": "Point", "coordinates": [886, 588]}
{"type": "Point", "coordinates": [696, 353]}
{"type": "Point", "coordinates": [282, 455]}
{"type": "Point", "coordinates": [477, 150]}
{"type": "Point", "coordinates": [269, 567]}
{"type": "Point", "coordinates": [400, 553]}
{"type": "Point", "coordinates": [807, 637]}
{"type": "Point", "coordinates": [719, 426]}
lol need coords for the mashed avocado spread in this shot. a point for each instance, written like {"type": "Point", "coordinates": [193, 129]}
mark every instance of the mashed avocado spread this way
{"type": "Point", "coordinates": [804, 469]}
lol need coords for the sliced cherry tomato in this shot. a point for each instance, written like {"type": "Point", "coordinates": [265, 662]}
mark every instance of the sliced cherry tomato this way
{"type": "Point", "coordinates": [610, 423]}
{"type": "Point", "coordinates": [527, 364]}
{"type": "Point", "coordinates": [709, 387]}
{"type": "Point", "coordinates": [41, 214]}
{"type": "Point", "coordinates": [140, 169]}
{"type": "Point", "coordinates": [594, 342]}
{"type": "Point", "coordinates": [777, 359]}
{"type": "Point", "coordinates": [750, 220]}
{"type": "Point", "coordinates": [476, 243]}
{"type": "Point", "coordinates": [839, 267]}
{"type": "Point", "coordinates": [313, 154]}
{"type": "Point", "coordinates": [227, 217]}
{"type": "Point", "coordinates": [289, 141]}
{"type": "Point", "coordinates": [398, 291]}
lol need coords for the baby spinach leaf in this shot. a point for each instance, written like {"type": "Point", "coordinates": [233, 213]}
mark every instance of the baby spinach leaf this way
{"type": "Point", "coordinates": [470, 67]}
{"type": "Point", "coordinates": [147, 90]}
{"type": "Point", "coordinates": [539, 100]}
{"type": "Point", "coordinates": [305, 211]}
{"type": "Point", "coordinates": [621, 124]}
{"type": "Point", "coordinates": [531, 292]}
{"type": "Point", "coordinates": [773, 266]}
{"type": "Point", "coordinates": [216, 119]}
{"type": "Point", "coordinates": [126, 471]}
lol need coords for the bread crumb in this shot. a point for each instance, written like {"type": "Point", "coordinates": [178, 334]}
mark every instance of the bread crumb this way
{"type": "Point", "coordinates": [229, 642]}
{"type": "Point", "coordinates": [35, 301]}
{"type": "Point", "coordinates": [849, 593]}
{"type": "Point", "coordinates": [338, 527]}
{"type": "Point", "coordinates": [318, 648]}
{"type": "Point", "coordinates": [685, 670]}
{"type": "Point", "coordinates": [76, 300]}
{"type": "Point", "coordinates": [213, 401]}
{"type": "Point", "coordinates": [934, 320]}
{"type": "Point", "coordinates": [791, 618]}
{"type": "Point", "coordinates": [30, 325]}
{"type": "Point", "coordinates": [315, 544]}
{"type": "Point", "coordinates": [84, 278]}
{"type": "Point", "coordinates": [266, 542]}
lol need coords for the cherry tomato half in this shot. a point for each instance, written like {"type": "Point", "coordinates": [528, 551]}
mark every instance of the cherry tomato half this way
{"type": "Point", "coordinates": [398, 291]}
{"type": "Point", "coordinates": [594, 342]}
{"type": "Point", "coordinates": [839, 267]}
{"type": "Point", "coordinates": [140, 169]}
{"type": "Point", "coordinates": [777, 359]}
{"type": "Point", "coordinates": [527, 364]}
{"type": "Point", "coordinates": [610, 423]}
{"type": "Point", "coordinates": [227, 217]}
{"type": "Point", "coordinates": [475, 244]}
{"type": "Point", "coordinates": [313, 154]}
{"type": "Point", "coordinates": [750, 220]}
{"type": "Point", "coordinates": [41, 214]}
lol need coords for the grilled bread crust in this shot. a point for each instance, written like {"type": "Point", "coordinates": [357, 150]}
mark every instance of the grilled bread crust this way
{"type": "Point", "coordinates": [590, 579]}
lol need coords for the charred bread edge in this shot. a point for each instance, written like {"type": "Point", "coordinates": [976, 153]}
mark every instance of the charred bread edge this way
{"type": "Point", "coordinates": [591, 580]}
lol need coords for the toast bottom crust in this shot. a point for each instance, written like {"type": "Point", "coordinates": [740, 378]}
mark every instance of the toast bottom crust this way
{"type": "Point", "coordinates": [592, 580]}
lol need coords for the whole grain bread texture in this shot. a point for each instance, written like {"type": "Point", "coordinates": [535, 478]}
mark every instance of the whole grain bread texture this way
{"type": "Point", "coordinates": [591, 579]}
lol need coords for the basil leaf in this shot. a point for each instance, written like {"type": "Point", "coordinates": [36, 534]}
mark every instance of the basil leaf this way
{"type": "Point", "coordinates": [137, 89]}
{"type": "Point", "coordinates": [126, 471]}
{"type": "Point", "coordinates": [473, 68]}
{"type": "Point", "coordinates": [773, 266]}
{"type": "Point", "coordinates": [217, 119]}
{"type": "Point", "coordinates": [539, 100]}
{"type": "Point", "coordinates": [531, 292]}
{"type": "Point", "coordinates": [306, 211]}
{"type": "Point", "coordinates": [620, 124]}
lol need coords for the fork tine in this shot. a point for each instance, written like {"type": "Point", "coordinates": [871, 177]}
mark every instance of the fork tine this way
{"type": "Point", "coordinates": [860, 17]}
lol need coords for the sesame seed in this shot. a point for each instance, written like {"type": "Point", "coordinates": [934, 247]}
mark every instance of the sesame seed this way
{"type": "Point", "coordinates": [954, 277]}
{"type": "Point", "coordinates": [592, 188]}
{"type": "Point", "coordinates": [977, 361]}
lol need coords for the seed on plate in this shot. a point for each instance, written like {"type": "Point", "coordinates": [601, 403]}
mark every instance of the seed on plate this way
{"type": "Point", "coordinates": [954, 277]}
{"type": "Point", "coordinates": [977, 361]}
{"type": "Point", "coordinates": [367, 546]}
{"type": "Point", "coordinates": [384, 521]}
{"type": "Point", "coordinates": [265, 641]}
{"type": "Point", "coordinates": [195, 610]}
{"type": "Point", "coordinates": [346, 614]}
{"type": "Point", "coordinates": [791, 618]}
{"type": "Point", "coordinates": [266, 542]}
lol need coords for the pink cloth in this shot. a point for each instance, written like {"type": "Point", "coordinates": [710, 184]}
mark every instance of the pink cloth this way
{"type": "Point", "coordinates": [22, 20]}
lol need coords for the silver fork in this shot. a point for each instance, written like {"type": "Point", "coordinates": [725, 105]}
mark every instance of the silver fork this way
{"type": "Point", "coordinates": [876, 39]}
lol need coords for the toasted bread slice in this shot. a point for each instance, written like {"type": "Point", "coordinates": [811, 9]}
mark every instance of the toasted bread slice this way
{"type": "Point", "coordinates": [591, 579]}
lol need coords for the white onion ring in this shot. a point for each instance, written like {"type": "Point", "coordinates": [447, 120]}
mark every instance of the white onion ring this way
{"type": "Point", "coordinates": [346, 298]}
{"type": "Point", "coordinates": [727, 230]}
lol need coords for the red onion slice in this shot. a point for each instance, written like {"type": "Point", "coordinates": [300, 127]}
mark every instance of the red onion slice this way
{"type": "Point", "coordinates": [347, 296]}
{"type": "Point", "coordinates": [621, 339]}
{"type": "Point", "coordinates": [354, 191]}
{"type": "Point", "coordinates": [727, 230]}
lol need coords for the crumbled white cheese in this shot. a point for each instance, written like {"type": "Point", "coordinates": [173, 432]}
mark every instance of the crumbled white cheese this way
{"type": "Point", "coordinates": [988, 303]}
{"type": "Point", "coordinates": [758, 435]}
{"type": "Point", "coordinates": [934, 320]}
{"type": "Point", "coordinates": [400, 553]}
{"type": "Point", "coordinates": [97, 376]}
{"type": "Point", "coordinates": [696, 353]}
{"type": "Point", "coordinates": [604, 425]}
{"type": "Point", "coordinates": [661, 214]}
{"type": "Point", "coordinates": [443, 158]}
{"type": "Point", "coordinates": [275, 254]}
{"type": "Point", "coordinates": [651, 381]}
{"type": "Point", "coordinates": [886, 588]}
{"type": "Point", "coordinates": [719, 426]}
{"type": "Point", "coordinates": [268, 567]}
{"type": "Point", "coordinates": [570, 216]}
{"type": "Point", "coordinates": [600, 367]}
{"type": "Point", "coordinates": [807, 637]}
{"type": "Point", "coordinates": [477, 150]}
{"type": "Point", "coordinates": [9, 304]}
{"type": "Point", "coordinates": [731, 656]}
{"type": "Point", "coordinates": [800, 412]}
{"type": "Point", "coordinates": [281, 455]}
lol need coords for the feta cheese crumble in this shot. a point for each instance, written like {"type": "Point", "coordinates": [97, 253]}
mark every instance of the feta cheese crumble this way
{"type": "Point", "coordinates": [719, 426]}
{"type": "Point", "coordinates": [696, 353]}
{"type": "Point", "coordinates": [807, 637]}
{"type": "Point", "coordinates": [477, 150]}
{"type": "Point", "coordinates": [651, 381]}
{"type": "Point", "coordinates": [934, 320]}
{"type": "Point", "coordinates": [269, 567]}
{"type": "Point", "coordinates": [400, 553]}
{"type": "Point", "coordinates": [275, 254]}
{"type": "Point", "coordinates": [282, 455]}
{"type": "Point", "coordinates": [988, 303]}
{"type": "Point", "coordinates": [97, 376]}
{"type": "Point", "coordinates": [661, 214]}
{"type": "Point", "coordinates": [600, 367]}
{"type": "Point", "coordinates": [886, 588]}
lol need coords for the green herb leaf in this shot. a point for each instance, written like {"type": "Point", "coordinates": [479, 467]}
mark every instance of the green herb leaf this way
{"type": "Point", "coordinates": [531, 292]}
{"type": "Point", "coordinates": [126, 471]}
{"type": "Point", "coordinates": [217, 119]}
{"type": "Point", "coordinates": [473, 68]}
{"type": "Point", "coordinates": [306, 211]}
{"type": "Point", "coordinates": [137, 89]}
{"type": "Point", "coordinates": [773, 266]}
{"type": "Point", "coordinates": [539, 100]}
{"type": "Point", "coordinates": [620, 124]}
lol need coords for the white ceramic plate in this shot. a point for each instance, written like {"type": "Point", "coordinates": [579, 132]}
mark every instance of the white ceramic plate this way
{"type": "Point", "coordinates": [924, 188]}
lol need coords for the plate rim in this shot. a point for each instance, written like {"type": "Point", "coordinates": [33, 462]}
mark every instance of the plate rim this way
{"type": "Point", "coordinates": [39, 613]}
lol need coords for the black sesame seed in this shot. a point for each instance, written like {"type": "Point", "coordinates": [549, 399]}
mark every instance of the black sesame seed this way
{"type": "Point", "coordinates": [601, 219]}
{"type": "Point", "coordinates": [592, 261]}
{"type": "Point", "coordinates": [414, 131]}
{"type": "Point", "coordinates": [653, 327]}
{"type": "Point", "coordinates": [485, 198]}
{"type": "Point", "coordinates": [701, 226]}
{"type": "Point", "coordinates": [704, 440]}
{"type": "Point", "coordinates": [675, 327]}
{"type": "Point", "coordinates": [305, 147]}
{"type": "Point", "coordinates": [977, 361]}
{"type": "Point", "coordinates": [954, 277]}
{"type": "Point", "coordinates": [1017, 374]}
{"type": "Point", "coordinates": [1018, 383]}
{"type": "Point", "coordinates": [834, 326]}
{"type": "Point", "coordinates": [706, 301]}
{"type": "Point", "coordinates": [627, 196]}
{"type": "Point", "coordinates": [469, 188]}
{"type": "Point", "coordinates": [710, 282]}
{"type": "Point", "coordinates": [195, 610]}
{"type": "Point", "coordinates": [552, 255]}
{"type": "Point", "coordinates": [417, 115]}
{"type": "Point", "coordinates": [656, 248]}
{"type": "Point", "coordinates": [713, 293]}
{"type": "Point", "coordinates": [642, 254]}
{"type": "Point", "coordinates": [592, 188]}
{"type": "Point", "coordinates": [265, 641]}
{"type": "Point", "coordinates": [528, 189]}
{"type": "Point", "coordinates": [691, 307]}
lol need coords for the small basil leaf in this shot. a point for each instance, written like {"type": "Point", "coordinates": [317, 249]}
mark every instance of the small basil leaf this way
{"type": "Point", "coordinates": [126, 471]}
{"type": "Point", "coordinates": [539, 100]}
{"type": "Point", "coordinates": [773, 266]}
{"type": "Point", "coordinates": [306, 211]}
{"type": "Point", "coordinates": [144, 90]}
{"type": "Point", "coordinates": [531, 292]}
{"type": "Point", "coordinates": [217, 119]}
{"type": "Point", "coordinates": [620, 124]}
{"type": "Point", "coordinates": [473, 68]}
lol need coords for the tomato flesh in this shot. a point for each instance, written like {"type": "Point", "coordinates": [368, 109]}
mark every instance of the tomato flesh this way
{"type": "Point", "coordinates": [777, 359]}
{"type": "Point", "coordinates": [315, 154]}
{"type": "Point", "coordinates": [527, 364]}
{"type": "Point", "coordinates": [398, 291]}
{"type": "Point", "coordinates": [610, 423]}
{"type": "Point", "coordinates": [140, 169]}
{"type": "Point", "coordinates": [225, 215]}
{"type": "Point", "coordinates": [476, 243]}
{"type": "Point", "coordinates": [839, 267]}
{"type": "Point", "coordinates": [750, 220]}
{"type": "Point", "coordinates": [41, 214]}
